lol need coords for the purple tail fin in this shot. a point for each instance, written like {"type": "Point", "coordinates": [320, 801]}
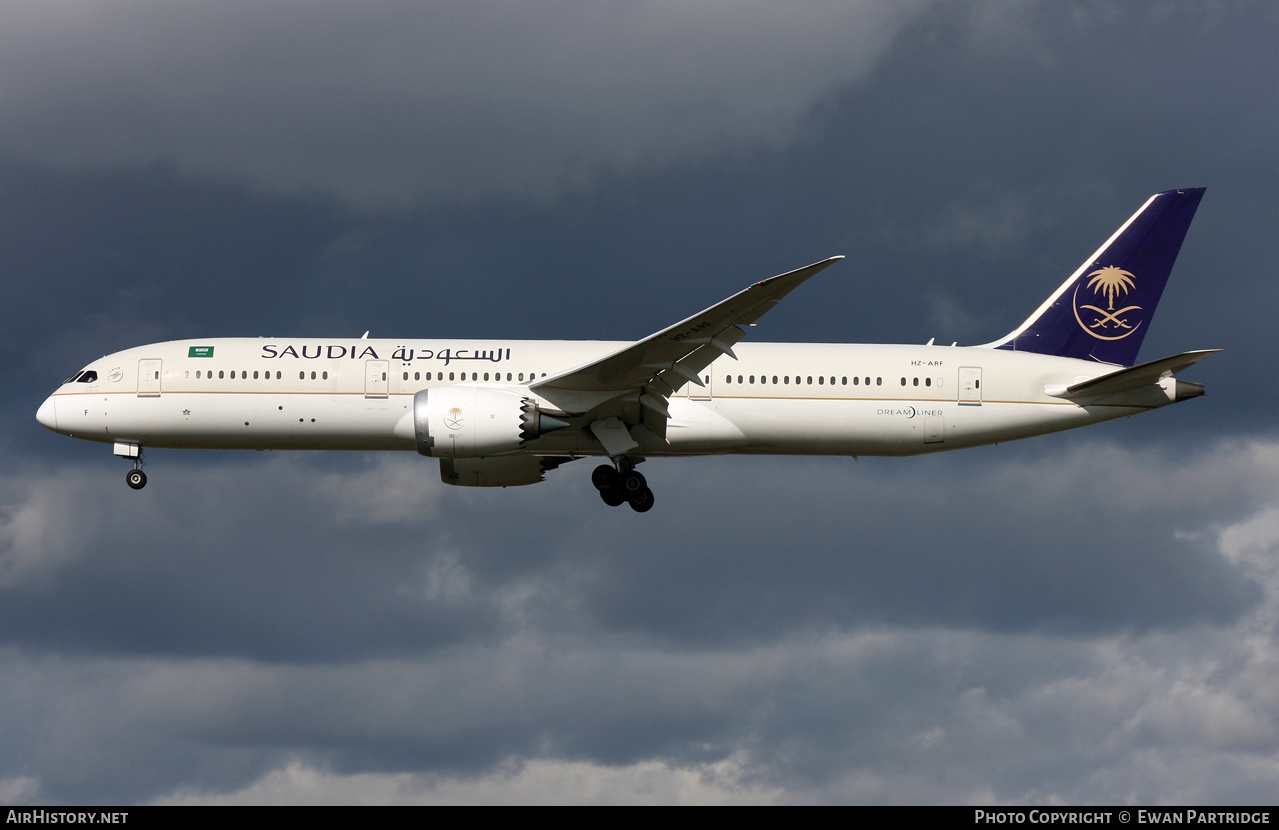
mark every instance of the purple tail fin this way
{"type": "Point", "coordinates": [1102, 312]}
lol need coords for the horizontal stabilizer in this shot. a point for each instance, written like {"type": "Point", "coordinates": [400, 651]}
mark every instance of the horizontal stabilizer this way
{"type": "Point", "coordinates": [1143, 374]}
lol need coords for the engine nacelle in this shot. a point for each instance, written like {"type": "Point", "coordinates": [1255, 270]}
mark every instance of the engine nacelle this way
{"type": "Point", "coordinates": [469, 421]}
{"type": "Point", "coordinates": [504, 471]}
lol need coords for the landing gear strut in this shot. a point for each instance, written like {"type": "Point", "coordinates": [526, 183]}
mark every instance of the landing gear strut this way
{"type": "Point", "coordinates": [135, 478]}
{"type": "Point", "coordinates": [623, 484]}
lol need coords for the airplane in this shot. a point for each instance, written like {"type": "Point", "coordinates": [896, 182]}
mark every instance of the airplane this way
{"type": "Point", "coordinates": [500, 413]}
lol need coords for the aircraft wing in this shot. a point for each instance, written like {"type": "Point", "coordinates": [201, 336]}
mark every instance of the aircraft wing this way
{"type": "Point", "coordinates": [655, 367]}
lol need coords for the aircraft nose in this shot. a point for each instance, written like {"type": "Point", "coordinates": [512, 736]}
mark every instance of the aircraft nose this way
{"type": "Point", "coordinates": [47, 414]}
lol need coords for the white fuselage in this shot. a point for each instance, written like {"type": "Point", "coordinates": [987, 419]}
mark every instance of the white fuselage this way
{"type": "Point", "coordinates": [776, 398]}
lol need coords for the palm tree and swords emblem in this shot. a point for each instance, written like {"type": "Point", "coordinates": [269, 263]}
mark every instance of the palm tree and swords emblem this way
{"type": "Point", "coordinates": [1110, 282]}
{"type": "Point", "coordinates": [453, 418]}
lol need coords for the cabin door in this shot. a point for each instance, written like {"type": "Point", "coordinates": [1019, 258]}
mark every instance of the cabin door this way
{"type": "Point", "coordinates": [149, 378]}
{"type": "Point", "coordinates": [969, 386]}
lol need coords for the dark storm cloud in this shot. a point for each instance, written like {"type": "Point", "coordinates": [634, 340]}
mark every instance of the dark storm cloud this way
{"type": "Point", "coordinates": [1078, 618]}
{"type": "Point", "coordinates": [403, 102]}
{"type": "Point", "coordinates": [370, 622]}
{"type": "Point", "coordinates": [239, 562]}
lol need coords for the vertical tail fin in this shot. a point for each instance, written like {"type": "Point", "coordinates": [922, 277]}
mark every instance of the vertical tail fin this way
{"type": "Point", "coordinates": [1102, 312]}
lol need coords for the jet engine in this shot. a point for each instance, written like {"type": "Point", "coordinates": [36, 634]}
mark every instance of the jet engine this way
{"type": "Point", "coordinates": [467, 421]}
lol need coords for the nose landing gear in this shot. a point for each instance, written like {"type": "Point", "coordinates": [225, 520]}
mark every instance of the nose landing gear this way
{"type": "Point", "coordinates": [135, 478]}
{"type": "Point", "coordinates": [623, 484]}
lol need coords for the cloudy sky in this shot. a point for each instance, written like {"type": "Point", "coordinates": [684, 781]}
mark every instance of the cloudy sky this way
{"type": "Point", "coordinates": [1089, 617]}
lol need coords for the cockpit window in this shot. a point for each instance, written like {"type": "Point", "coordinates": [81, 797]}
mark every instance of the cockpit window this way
{"type": "Point", "coordinates": [72, 378]}
{"type": "Point", "coordinates": [88, 377]}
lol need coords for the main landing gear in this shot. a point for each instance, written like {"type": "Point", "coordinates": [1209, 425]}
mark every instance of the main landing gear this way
{"type": "Point", "coordinates": [623, 484]}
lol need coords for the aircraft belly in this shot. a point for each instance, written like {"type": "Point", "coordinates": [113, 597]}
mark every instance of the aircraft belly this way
{"type": "Point", "coordinates": [258, 421]}
{"type": "Point", "coordinates": [880, 427]}
{"type": "Point", "coordinates": [810, 427]}
{"type": "Point", "coordinates": [724, 425]}
{"type": "Point", "coordinates": [995, 422]}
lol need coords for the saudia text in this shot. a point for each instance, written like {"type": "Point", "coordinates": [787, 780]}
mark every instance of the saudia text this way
{"type": "Point", "coordinates": [402, 354]}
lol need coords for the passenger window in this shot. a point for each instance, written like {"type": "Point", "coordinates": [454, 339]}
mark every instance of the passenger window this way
{"type": "Point", "coordinates": [326, 376]}
{"type": "Point", "coordinates": [406, 376]}
{"type": "Point", "coordinates": [855, 381]}
{"type": "Point", "coordinates": [928, 381]}
{"type": "Point", "coordinates": [450, 375]}
{"type": "Point", "coordinates": [301, 375]}
{"type": "Point", "coordinates": [821, 381]}
{"type": "Point", "coordinates": [313, 376]}
{"type": "Point", "coordinates": [486, 375]}
{"type": "Point", "coordinates": [916, 381]}
{"type": "Point", "coordinates": [878, 381]}
{"type": "Point", "coordinates": [843, 381]}
{"type": "Point", "coordinates": [774, 378]}
{"type": "Point", "coordinates": [810, 380]}
{"type": "Point", "coordinates": [752, 378]}
{"type": "Point", "coordinates": [197, 374]}
{"type": "Point", "coordinates": [521, 376]}
{"type": "Point", "coordinates": [903, 381]}
{"type": "Point", "coordinates": [221, 374]}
